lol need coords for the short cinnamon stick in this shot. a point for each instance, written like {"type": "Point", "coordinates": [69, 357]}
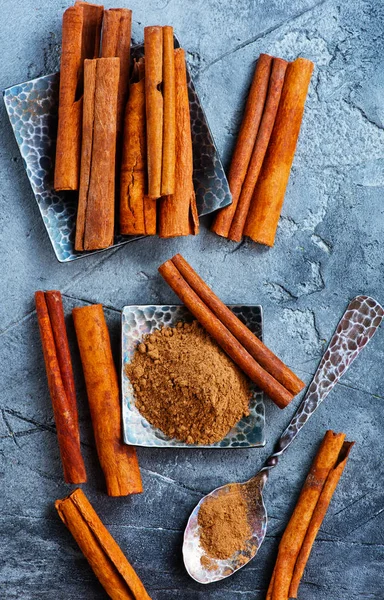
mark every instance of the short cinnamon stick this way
{"type": "Point", "coordinates": [133, 179]}
{"type": "Point", "coordinates": [332, 453]}
{"type": "Point", "coordinates": [61, 383]}
{"type": "Point", "coordinates": [150, 215]}
{"type": "Point", "coordinates": [116, 41]}
{"type": "Point", "coordinates": [103, 554]}
{"type": "Point", "coordinates": [169, 123]}
{"type": "Point", "coordinates": [279, 394]}
{"type": "Point", "coordinates": [318, 516]}
{"type": "Point", "coordinates": [95, 217]}
{"type": "Point", "coordinates": [275, 87]}
{"type": "Point", "coordinates": [178, 212]}
{"type": "Point", "coordinates": [245, 142]}
{"type": "Point", "coordinates": [153, 48]}
{"type": "Point", "coordinates": [268, 197]}
{"type": "Point", "coordinates": [80, 39]}
{"type": "Point", "coordinates": [265, 357]}
{"type": "Point", "coordinates": [118, 461]}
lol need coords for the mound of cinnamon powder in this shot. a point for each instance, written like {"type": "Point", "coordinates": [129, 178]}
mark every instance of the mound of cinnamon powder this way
{"type": "Point", "coordinates": [185, 385]}
{"type": "Point", "coordinates": [223, 522]}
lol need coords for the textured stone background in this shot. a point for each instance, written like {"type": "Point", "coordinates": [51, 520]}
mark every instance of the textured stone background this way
{"type": "Point", "coordinates": [328, 249]}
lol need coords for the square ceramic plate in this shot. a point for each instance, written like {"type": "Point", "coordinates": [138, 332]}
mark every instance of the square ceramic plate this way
{"type": "Point", "coordinates": [140, 320]}
{"type": "Point", "coordinates": [32, 110]}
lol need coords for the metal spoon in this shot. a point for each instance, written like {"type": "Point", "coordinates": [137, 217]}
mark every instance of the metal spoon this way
{"type": "Point", "coordinates": [357, 326]}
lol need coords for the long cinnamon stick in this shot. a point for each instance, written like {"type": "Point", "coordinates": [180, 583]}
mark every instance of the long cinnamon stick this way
{"type": "Point", "coordinates": [245, 142]}
{"type": "Point", "coordinates": [178, 212]}
{"type": "Point", "coordinates": [331, 453]}
{"type": "Point", "coordinates": [133, 178]}
{"type": "Point", "coordinates": [116, 41]}
{"type": "Point", "coordinates": [279, 394]}
{"type": "Point", "coordinates": [80, 39]}
{"type": "Point", "coordinates": [265, 357]}
{"type": "Point", "coordinates": [275, 87]}
{"type": "Point", "coordinates": [105, 557]}
{"type": "Point", "coordinates": [318, 516]}
{"type": "Point", "coordinates": [153, 48]}
{"type": "Point", "coordinates": [61, 383]}
{"type": "Point", "coordinates": [95, 217]}
{"type": "Point", "coordinates": [169, 114]}
{"type": "Point", "coordinates": [118, 461]}
{"type": "Point", "coordinates": [268, 197]}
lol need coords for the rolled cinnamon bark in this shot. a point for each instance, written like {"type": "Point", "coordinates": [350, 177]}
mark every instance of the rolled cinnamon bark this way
{"type": "Point", "coordinates": [58, 364]}
{"type": "Point", "coordinates": [275, 87]}
{"type": "Point", "coordinates": [153, 48]}
{"type": "Point", "coordinates": [80, 39]}
{"type": "Point", "coordinates": [279, 394]}
{"type": "Point", "coordinates": [268, 197]}
{"type": "Point", "coordinates": [116, 41]}
{"type": "Point", "coordinates": [150, 215]}
{"type": "Point", "coordinates": [118, 461]}
{"type": "Point", "coordinates": [245, 142]}
{"type": "Point", "coordinates": [169, 124]}
{"type": "Point", "coordinates": [178, 212]}
{"type": "Point", "coordinates": [265, 357]}
{"type": "Point", "coordinates": [332, 453]}
{"type": "Point", "coordinates": [96, 209]}
{"type": "Point", "coordinates": [103, 554]}
{"type": "Point", "coordinates": [133, 176]}
{"type": "Point", "coordinates": [318, 516]}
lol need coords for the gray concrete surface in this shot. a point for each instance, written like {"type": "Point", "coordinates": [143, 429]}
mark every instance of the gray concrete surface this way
{"type": "Point", "coordinates": [328, 249]}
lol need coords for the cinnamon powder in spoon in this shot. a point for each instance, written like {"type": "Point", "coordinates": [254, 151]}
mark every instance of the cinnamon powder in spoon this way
{"type": "Point", "coordinates": [185, 385]}
{"type": "Point", "coordinates": [224, 526]}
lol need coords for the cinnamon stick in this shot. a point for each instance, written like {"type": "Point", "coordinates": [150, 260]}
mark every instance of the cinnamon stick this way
{"type": "Point", "coordinates": [58, 364]}
{"type": "Point", "coordinates": [318, 516]}
{"type": "Point", "coordinates": [80, 39]}
{"type": "Point", "coordinates": [150, 215]}
{"type": "Point", "coordinates": [275, 87]}
{"type": "Point", "coordinates": [118, 461]}
{"type": "Point", "coordinates": [95, 217]}
{"type": "Point", "coordinates": [169, 122]}
{"type": "Point", "coordinates": [265, 357]}
{"type": "Point", "coordinates": [153, 48]}
{"type": "Point", "coordinates": [133, 178]}
{"type": "Point", "coordinates": [245, 142]}
{"type": "Point", "coordinates": [279, 394]}
{"type": "Point", "coordinates": [116, 41]}
{"type": "Point", "coordinates": [268, 197]}
{"type": "Point", "coordinates": [103, 554]}
{"type": "Point", "coordinates": [178, 212]}
{"type": "Point", "coordinates": [327, 466]}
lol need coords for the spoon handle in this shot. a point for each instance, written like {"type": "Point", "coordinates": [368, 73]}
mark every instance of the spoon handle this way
{"type": "Point", "coordinates": [357, 326]}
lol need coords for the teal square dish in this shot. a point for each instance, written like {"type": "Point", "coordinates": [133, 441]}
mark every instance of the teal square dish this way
{"type": "Point", "coordinates": [138, 321]}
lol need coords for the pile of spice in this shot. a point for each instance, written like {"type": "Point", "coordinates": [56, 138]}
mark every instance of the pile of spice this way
{"type": "Point", "coordinates": [187, 386]}
{"type": "Point", "coordinates": [224, 524]}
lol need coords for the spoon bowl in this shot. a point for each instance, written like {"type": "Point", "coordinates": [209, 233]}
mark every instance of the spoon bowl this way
{"type": "Point", "coordinates": [204, 568]}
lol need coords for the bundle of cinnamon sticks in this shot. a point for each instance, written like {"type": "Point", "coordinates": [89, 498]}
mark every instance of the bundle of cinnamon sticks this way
{"type": "Point", "coordinates": [119, 133]}
{"type": "Point", "coordinates": [118, 460]}
{"type": "Point", "coordinates": [258, 362]}
{"type": "Point", "coordinates": [265, 149]}
{"type": "Point", "coordinates": [103, 554]}
{"type": "Point", "coordinates": [301, 531]}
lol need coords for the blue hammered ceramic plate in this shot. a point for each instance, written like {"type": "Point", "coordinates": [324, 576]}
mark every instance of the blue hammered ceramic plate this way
{"type": "Point", "coordinates": [32, 110]}
{"type": "Point", "coordinates": [137, 321]}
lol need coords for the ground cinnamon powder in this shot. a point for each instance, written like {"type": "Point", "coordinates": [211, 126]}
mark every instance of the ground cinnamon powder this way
{"type": "Point", "coordinates": [186, 385]}
{"type": "Point", "coordinates": [224, 526]}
